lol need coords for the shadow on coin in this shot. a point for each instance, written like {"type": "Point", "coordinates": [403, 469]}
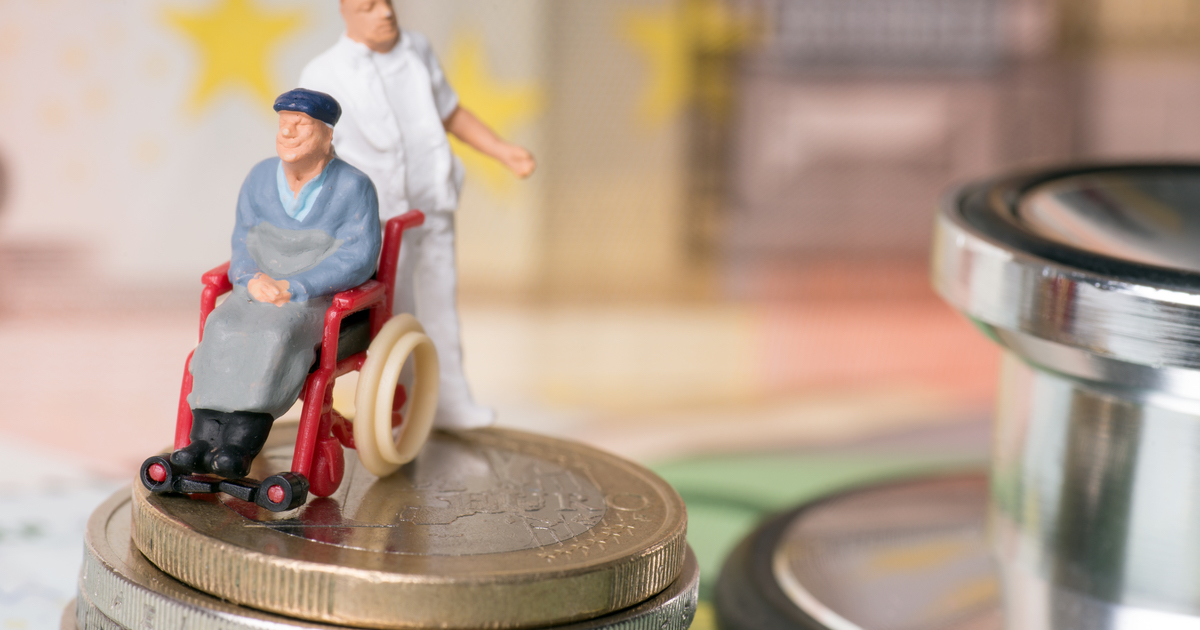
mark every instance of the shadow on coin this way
{"type": "Point", "coordinates": [459, 497]}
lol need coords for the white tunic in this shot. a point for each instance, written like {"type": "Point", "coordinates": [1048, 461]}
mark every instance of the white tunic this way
{"type": "Point", "coordinates": [393, 108]}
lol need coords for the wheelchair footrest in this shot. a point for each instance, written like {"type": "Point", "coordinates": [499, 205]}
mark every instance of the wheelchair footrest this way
{"type": "Point", "coordinates": [278, 493]}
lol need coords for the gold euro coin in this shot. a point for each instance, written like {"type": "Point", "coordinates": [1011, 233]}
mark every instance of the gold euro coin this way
{"type": "Point", "coordinates": [488, 528]}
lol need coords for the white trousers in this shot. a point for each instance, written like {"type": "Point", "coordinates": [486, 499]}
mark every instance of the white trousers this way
{"type": "Point", "coordinates": [427, 287]}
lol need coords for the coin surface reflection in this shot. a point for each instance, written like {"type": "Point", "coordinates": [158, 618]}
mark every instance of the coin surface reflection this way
{"type": "Point", "coordinates": [458, 498]}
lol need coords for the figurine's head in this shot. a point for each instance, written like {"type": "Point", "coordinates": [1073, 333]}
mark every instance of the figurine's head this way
{"type": "Point", "coordinates": [306, 120]}
{"type": "Point", "coordinates": [372, 23]}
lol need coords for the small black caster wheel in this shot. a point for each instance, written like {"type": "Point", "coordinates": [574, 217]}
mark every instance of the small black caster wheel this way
{"type": "Point", "coordinates": [282, 492]}
{"type": "Point", "coordinates": [157, 475]}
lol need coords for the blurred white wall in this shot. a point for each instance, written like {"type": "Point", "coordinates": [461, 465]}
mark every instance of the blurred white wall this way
{"type": "Point", "coordinates": [129, 127]}
{"type": "Point", "coordinates": [112, 140]}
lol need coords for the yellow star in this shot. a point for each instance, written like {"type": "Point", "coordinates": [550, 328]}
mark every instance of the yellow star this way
{"type": "Point", "coordinates": [717, 28]}
{"type": "Point", "coordinates": [661, 35]}
{"type": "Point", "coordinates": [669, 36]}
{"type": "Point", "coordinates": [235, 38]}
{"type": "Point", "coordinates": [502, 106]}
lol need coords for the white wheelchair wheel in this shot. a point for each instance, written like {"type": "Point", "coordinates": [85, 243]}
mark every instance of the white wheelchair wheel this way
{"type": "Point", "coordinates": [378, 451]}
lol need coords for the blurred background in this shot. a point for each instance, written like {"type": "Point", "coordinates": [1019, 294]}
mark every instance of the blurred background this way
{"type": "Point", "coordinates": [722, 254]}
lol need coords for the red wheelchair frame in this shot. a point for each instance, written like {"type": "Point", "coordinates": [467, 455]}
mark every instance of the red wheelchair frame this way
{"type": "Point", "coordinates": [318, 459]}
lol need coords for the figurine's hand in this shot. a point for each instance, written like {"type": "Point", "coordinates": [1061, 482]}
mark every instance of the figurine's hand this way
{"type": "Point", "coordinates": [264, 288]}
{"type": "Point", "coordinates": [518, 160]}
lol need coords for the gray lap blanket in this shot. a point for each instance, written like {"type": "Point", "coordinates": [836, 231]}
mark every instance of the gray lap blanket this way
{"type": "Point", "coordinates": [255, 356]}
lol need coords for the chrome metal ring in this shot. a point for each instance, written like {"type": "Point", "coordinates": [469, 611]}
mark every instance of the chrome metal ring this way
{"type": "Point", "coordinates": [1113, 317]}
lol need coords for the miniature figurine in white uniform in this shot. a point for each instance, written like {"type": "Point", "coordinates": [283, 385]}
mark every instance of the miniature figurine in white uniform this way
{"type": "Point", "coordinates": [396, 110]}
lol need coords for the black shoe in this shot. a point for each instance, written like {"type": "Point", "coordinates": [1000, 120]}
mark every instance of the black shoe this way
{"type": "Point", "coordinates": [246, 430]}
{"type": "Point", "coordinates": [190, 458]}
{"type": "Point", "coordinates": [242, 436]}
{"type": "Point", "coordinates": [231, 462]}
{"type": "Point", "coordinates": [206, 430]}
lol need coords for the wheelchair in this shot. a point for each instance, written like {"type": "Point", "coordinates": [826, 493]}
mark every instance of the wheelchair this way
{"type": "Point", "coordinates": [360, 334]}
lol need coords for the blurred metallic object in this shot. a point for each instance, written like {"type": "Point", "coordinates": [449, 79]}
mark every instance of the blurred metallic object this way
{"type": "Point", "coordinates": [486, 528]}
{"type": "Point", "coordinates": [909, 555]}
{"type": "Point", "coordinates": [120, 589]}
{"type": "Point", "coordinates": [1089, 278]}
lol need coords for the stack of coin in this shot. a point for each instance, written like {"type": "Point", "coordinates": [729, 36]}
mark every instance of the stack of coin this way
{"type": "Point", "coordinates": [486, 529]}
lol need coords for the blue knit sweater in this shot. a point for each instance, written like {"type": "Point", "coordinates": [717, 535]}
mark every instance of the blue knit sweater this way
{"type": "Point", "coordinates": [338, 241]}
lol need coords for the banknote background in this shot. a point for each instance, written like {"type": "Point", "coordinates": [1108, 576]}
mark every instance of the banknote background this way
{"type": "Point", "coordinates": [719, 270]}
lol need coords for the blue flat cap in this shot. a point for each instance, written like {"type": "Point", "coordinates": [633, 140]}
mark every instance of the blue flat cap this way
{"type": "Point", "coordinates": [319, 105]}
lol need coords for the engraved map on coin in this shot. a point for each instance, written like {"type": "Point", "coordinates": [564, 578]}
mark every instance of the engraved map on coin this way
{"type": "Point", "coordinates": [458, 498]}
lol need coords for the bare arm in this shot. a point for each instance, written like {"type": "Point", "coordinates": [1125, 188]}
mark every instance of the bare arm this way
{"type": "Point", "coordinates": [466, 127]}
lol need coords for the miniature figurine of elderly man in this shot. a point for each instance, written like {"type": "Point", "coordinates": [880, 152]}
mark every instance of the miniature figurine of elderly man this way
{"type": "Point", "coordinates": [307, 227]}
{"type": "Point", "coordinates": [398, 109]}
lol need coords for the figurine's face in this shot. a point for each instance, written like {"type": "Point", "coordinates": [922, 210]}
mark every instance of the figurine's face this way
{"type": "Point", "coordinates": [301, 137]}
{"type": "Point", "coordinates": [371, 22]}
